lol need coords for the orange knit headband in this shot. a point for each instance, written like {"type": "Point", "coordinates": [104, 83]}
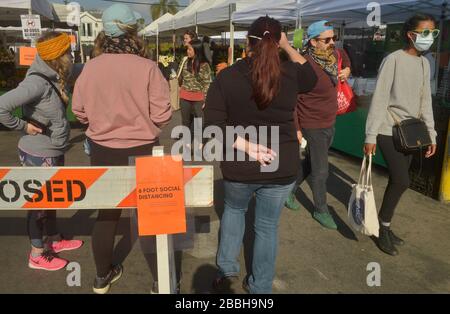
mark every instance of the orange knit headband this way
{"type": "Point", "coordinates": [53, 48]}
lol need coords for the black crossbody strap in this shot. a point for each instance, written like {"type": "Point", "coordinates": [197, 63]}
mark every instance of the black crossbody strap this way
{"type": "Point", "coordinates": [51, 84]}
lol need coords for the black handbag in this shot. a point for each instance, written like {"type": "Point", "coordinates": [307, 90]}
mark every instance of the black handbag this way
{"type": "Point", "coordinates": [411, 135]}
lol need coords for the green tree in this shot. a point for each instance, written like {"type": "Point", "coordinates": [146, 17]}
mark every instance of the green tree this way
{"type": "Point", "coordinates": [163, 7]}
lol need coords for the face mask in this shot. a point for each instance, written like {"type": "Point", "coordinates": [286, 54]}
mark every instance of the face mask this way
{"type": "Point", "coordinates": [423, 43]}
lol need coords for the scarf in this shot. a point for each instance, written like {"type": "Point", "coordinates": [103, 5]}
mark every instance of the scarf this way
{"type": "Point", "coordinates": [121, 44]}
{"type": "Point", "coordinates": [326, 60]}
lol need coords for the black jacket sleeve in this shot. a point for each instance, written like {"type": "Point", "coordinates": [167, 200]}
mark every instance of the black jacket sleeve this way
{"type": "Point", "coordinates": [215, 112]}
{"type": "Point", "coordinates": [306, 77]}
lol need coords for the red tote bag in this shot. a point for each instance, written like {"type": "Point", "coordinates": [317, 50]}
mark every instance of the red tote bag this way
{"type": "Point", "coordinates": [345, 96]}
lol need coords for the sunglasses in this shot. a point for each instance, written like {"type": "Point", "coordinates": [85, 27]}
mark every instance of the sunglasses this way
{"type": "Point", "coordinates": [327, 40]}
{"type": "Point", "coordinates": [426, 32]}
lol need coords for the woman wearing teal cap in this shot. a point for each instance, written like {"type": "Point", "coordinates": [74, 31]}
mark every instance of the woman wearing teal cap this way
{"type": "Point", "coordinates": [125, 100]}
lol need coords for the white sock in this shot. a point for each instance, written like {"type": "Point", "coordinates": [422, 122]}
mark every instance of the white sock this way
{"type": "Point", "coordinates": [34, 255]}
{"type": "Point", "coordinates": [386, 224]}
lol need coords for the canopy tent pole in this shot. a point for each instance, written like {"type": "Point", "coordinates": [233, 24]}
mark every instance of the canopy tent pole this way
{"type": "Point", "coordinates": [439, 44]}
{"type": "Point", "coordinates": [174, 39]}
{"type": "Point", "coordinates": [33, 42]}
{"type": "Point", "coordinates": [232, 8]}
{"type": "Point", "coordinates": [232, 42]}
{"type": "Point", "coordinates": [298, 23]}
{"type": "Point", "coordinates": [173, 43]}
{"type": "Point", "coordinates": [196, 26]}
{"type": "Point", "coordinates": [341, 36]}
{"type": "Point", "coordinates": [157, 43]}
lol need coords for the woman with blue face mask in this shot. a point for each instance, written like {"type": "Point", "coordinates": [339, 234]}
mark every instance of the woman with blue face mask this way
{"type": "Point", "coordinates": [403, 91]}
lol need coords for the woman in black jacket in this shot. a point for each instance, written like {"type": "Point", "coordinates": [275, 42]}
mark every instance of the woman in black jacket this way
{"type": "Point", "coordinates": [258, 93]}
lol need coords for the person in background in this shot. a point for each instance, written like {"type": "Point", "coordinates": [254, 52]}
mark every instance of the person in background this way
{"type": "Point", "coordinates": [207, 49]}
{"type": "Point", "coordinates": [316, 115]}
{"type": "Point", "coordinates": [43, 98]}
{"type": "Point", "coordinates": [188, 37]}
{"type": "Point", "coordinates": [257, 91]}
{"type": "Point", "coordinates": [196, 78]}
{"type": "Point", "coordinates": [124, 99]}
{"type": "Point", "coordinates": [402, 91]}
{"type": "Point", "coordinates": [432, 60]}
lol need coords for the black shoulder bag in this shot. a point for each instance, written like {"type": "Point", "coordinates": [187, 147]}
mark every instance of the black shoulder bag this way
{"type": "Point", "coordinates": [411, 135]}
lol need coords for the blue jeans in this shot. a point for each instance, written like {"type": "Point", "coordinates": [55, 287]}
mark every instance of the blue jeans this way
{"type": "Point", "coordinates": [269, 203]}
{"type": "Point", "coordinates": [315, 165]}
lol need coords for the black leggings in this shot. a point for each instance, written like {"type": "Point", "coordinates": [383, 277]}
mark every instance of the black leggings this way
{"type": "Point", "coordinates": [398, 166]}
{"type": "Point", "coordinates": [39, 221]}
{"type": "Point", "coordinates": [189, 108]}
{"type": "Point", "coordinates": [105, 227]}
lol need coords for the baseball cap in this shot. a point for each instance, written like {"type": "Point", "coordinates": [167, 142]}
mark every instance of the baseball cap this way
{"type": "Point", "coordinates": [315, 29]}
{"type": "Point", "coordinates": [115, 15]}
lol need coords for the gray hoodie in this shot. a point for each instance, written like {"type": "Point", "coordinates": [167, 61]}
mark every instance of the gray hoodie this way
{"type": "Point", "coordinates": [41, 103]}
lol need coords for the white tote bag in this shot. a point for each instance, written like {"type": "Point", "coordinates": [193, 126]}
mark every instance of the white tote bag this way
{"type": "Point", "coordinates": [175, 87]}
{"type": "Point", "coordinates": [362, 211]}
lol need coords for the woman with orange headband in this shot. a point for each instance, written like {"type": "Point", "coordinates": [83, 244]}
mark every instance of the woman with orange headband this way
{"type": "Point", "coordinates": [46, 134]}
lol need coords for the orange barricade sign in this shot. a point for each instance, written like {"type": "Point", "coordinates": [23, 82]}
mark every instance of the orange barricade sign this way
{"type": "Point", "coordinates": [160, 196]}
{"type": "Point", "coordinates": [27, 55]}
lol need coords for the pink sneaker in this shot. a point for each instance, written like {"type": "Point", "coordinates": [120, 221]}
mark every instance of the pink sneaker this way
{"type": "Point", "coordinates": [46, 261]}
{"type": "Point", "coordinates": [65, 245]}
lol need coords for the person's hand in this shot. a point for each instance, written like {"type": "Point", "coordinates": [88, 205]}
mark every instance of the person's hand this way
{"type": "Point", "coordinates": [299, 136]}
{"type": "Point", "coordinates": [344, 74]}
{"type": "Point", "coordinates": [431, 151]}
{"type": "Point", "coordinates": [32, 130]}
{"type": "Point", "coordinates": [203, 106]}
{"type": "Point", "coordinates": [284, 43]}
{"type": "Point", "coordinates": [370, 149]}
{"type": "Point", "coordinates": [261, 153]}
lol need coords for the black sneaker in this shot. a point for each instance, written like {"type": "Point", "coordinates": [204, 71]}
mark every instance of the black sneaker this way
{"type": "Point", "coordinates": [223, 283]}
{"type": "Point", "coordinates": [384, 241]}
{"type": "Point", "coordinates": [245, 285]}
{"type": "Point", "coordinates": [395, 240]}
{"type": "Point", "coordinates": [102, 284]}
{"type": "Point", "coordinates": [155, 289]}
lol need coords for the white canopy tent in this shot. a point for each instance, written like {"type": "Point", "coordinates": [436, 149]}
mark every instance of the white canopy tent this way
{"type": "Point", "coordinates": [348, 11]}
{"type": "Point", "coordinates": [286, 11]}
{"type": "Point", "coordinates": [217, 17]}
{"type": "Point", "coordinates": [345, 12]}
{"type": "Point", "coordinates": [392, 11]}
{"type": "Point", "coordinates": [10, 10]}
{"type": "Point", "coordinates": [216, 14]}
{"type": "Point", "coordinates": [153, 28]}
{"type": "Point", "coordinates": [184, 18]}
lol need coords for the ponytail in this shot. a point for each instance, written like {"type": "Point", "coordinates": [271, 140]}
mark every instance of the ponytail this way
{"type": "Point", "coordinates": [264, 36]}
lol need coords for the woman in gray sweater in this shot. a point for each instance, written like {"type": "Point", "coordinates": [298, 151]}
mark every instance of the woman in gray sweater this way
{"type": "Point", "coordinates": [403, 90]}
{"type": "Point", "coordinates": [46, 134]}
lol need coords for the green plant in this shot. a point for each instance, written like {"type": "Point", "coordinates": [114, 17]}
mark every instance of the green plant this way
{"type": "Point", "coordinates": [163, 7]}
